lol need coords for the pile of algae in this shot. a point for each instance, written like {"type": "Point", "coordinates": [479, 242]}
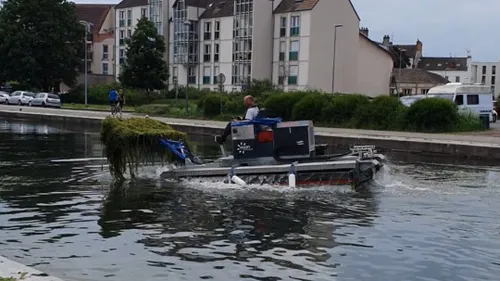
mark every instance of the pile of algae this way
{"type": "Point", "coordinates": [135, 141]}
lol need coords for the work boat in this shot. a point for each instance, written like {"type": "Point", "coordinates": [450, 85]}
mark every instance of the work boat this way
{"type": "Point", "coordinates": [269, 151]}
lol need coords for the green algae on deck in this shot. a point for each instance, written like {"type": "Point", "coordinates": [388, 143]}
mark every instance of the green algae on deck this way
{"type": "Point", "coordinates": [128, 143]}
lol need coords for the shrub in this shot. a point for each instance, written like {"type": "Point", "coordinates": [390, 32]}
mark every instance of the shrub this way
{"type": "Point", "coordinates": [282, 104]}
{"type": "Point", "coordinates": [153, 109]}
{"type": "Point", "coordinates": [98, 94]}
{"type": "Point", "coordinates": [382, 113]}
{"type": "Point", "coordinates": [193, 93]}
{"type": "Point", "coordinates": [341, 109]}
{"type": "Point", "coordinates": [310, 107]}
{"type": "Point", "coordinates": [212, 104]}
{"type": "Point", "coordinates": [432, 115]}
{"type": "Point", "coordinates": [467, 122]}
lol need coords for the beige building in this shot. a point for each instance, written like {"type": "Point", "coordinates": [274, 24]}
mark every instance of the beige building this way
{"type": "Point", "coordinates": [374, 67]}
{"type": "Point", "coordinates": [415, 81]}
{"type": "Point", "coordinates": [233, 37]}
{"type": "Point", "coordinates": [101, 40]}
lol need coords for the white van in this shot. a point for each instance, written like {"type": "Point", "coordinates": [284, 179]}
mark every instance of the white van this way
{"type": "Point", "coordinates": [476, 98]}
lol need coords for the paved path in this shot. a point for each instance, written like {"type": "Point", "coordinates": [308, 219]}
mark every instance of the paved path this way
{"type": "Point", "coordinates": [489, 138]}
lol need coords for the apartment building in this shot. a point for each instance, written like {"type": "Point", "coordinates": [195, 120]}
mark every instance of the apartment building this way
{"type": "Point", "coordinates": [127, 14]}
{"type": "Point", "coordinates": [100, 41]}
{"type": "Point", "coordinates": [207, 40]}
{"type": "Point", "coordinates": [234, 38]}
{"type": "Point", "coordinates": [486, 73]}
{"type": "Point", "coordinates": [453, 69]}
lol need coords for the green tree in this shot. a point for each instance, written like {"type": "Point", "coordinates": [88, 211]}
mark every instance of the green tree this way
{"type": "Point", "coordinates": [144, 67]}
{"type": "Point", "coordinates": [41, 42]}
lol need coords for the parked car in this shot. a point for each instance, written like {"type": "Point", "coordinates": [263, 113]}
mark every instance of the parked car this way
{"type": "Point", "coordinates": [20, 98]}
{"type": "Point", "coordinates": [46, 99]}
{"type": "Point", "coordinates": [3, 97]}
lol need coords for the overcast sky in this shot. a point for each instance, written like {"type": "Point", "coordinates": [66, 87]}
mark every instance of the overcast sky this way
{"type": "Point", "coordinates": [444, 26]}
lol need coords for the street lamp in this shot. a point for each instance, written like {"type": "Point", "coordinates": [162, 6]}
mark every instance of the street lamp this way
{"type": "Point", "coordinates": [334, 53]}
{"type": "Point", "coordinates": [188, 25]}
{"type": "Point", "coordinates": [87, 30]}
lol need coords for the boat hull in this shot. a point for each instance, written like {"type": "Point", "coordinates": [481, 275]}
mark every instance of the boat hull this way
{"type": "Point", "coordinates": [346, 172]}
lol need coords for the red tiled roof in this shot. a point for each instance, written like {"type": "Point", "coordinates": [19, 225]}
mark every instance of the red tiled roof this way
{"type": "Point", "coordinates": [93, 13]}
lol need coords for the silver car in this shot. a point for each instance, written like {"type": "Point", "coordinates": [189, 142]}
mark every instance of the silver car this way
{"type": "Point", "coordinates": [46, 99]}
{"type": "Point", "coordinates": [3, 97]}
{"type": "Point", "coordinates": [20, 98]}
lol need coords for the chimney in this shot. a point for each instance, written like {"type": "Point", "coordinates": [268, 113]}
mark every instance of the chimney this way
{"type": "Point", "coordinates": [364, 31]}
{"type": "Point", "coordinates": [386, 41]}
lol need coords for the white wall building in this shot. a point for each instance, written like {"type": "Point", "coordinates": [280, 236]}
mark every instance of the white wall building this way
{"type": "Point", "coordinates": [486, 73]}
{"type": "Point", "coordinates": [454, 69]}
{"type": "Point", "coordinates": [127, 14]}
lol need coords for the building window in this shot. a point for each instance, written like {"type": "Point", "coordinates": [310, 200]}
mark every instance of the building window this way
{"type": "Point", "coordinates": [129, 17]}
{"type": "Point", "coordinates": [294, 51]}
{"type": "Point", "coordinates": [282, 51]}
{"type": "Point", "coordinates": [207, 53]}
{"type": "Point", "coordinates": [242, 42]}
{"type": "Point", "coordinates": [207, 32]}
{"type": "Point", "coordinates": [457, 79]}
{"type": "Point", "coordinates": [121, 22]}
{"type": "Point", "coordinates": [206, 75]}
{"type": "Point", "coordinates": [424, 91]}
{"type": "Point", "coordinates": [283, 27]}
{"type": "Point", "coordinates": [484, 69]}
{"type": "Point", "coordinates": [407, 92]}
{"type": "Point", "coordinates": [122, 37]}
{"type": "Point", "coordinates": [191, 75]}
{"type": "Point", "coordinates": [217, 30]}
{"type": "Point", "coordinates": [143, 12]}
{"type": "Point", "coordinates": [216, 52]}
{"type": "Point", "coordinates": [493, 80]}
{"type": "Point", "coordinates": [216, 74]}
{"type": "Point", "coordinates": [483, 79]}
{"type": "Point", "coordinates": [281, 75]}
{"type": "Point", "coordinates": [175, 74]}
{"type": "Point", "coordinates": [494, 70]}
{"type": "Point", "coordinates": [295, 26]}
{"type": "Point", "coordinates": [122, 56]}
{"type": "Point", "coordinates": [105, 52]}
{"type": "Point", "coordinates": [472, 99]}
{"type": "Point", "coordinates": [129, 33]}
{"type": "Point", "coordinates": [292, 77]}
{"type": "Point", "coordinates": [105, 70]}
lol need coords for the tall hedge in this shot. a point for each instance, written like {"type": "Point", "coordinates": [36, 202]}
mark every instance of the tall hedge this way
{"type": "Point", "coordinates": [432, 115]}
{"type": "Point", "coordinates": [381, 113]}
{"type": "Point", "coordinates": [283, 104]}
{"type": "Point", "coordinates": [341, 109]}
{"type": "Point", "coordinates": [310, 107]}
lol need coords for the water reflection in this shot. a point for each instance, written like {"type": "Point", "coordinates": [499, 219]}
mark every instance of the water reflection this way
{"type": "Point", "coordinates": [418, 221]}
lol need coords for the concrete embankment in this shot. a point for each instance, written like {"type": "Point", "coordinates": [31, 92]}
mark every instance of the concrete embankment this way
{"type": "Point", "coordinates": [17, 271]}
{"type": "Point", "coordinates": [458, 145]}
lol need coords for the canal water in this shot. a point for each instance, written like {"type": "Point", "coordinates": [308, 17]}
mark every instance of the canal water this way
{"type": "Point", "coordinates": [416, 222]}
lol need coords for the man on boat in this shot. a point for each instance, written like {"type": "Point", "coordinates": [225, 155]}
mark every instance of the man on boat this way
{"type": "Point", "coordinates": [252, 112]}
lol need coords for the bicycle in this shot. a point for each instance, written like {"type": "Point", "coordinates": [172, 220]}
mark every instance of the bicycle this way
{"type": "Point", "coordinates": [116, 110]}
